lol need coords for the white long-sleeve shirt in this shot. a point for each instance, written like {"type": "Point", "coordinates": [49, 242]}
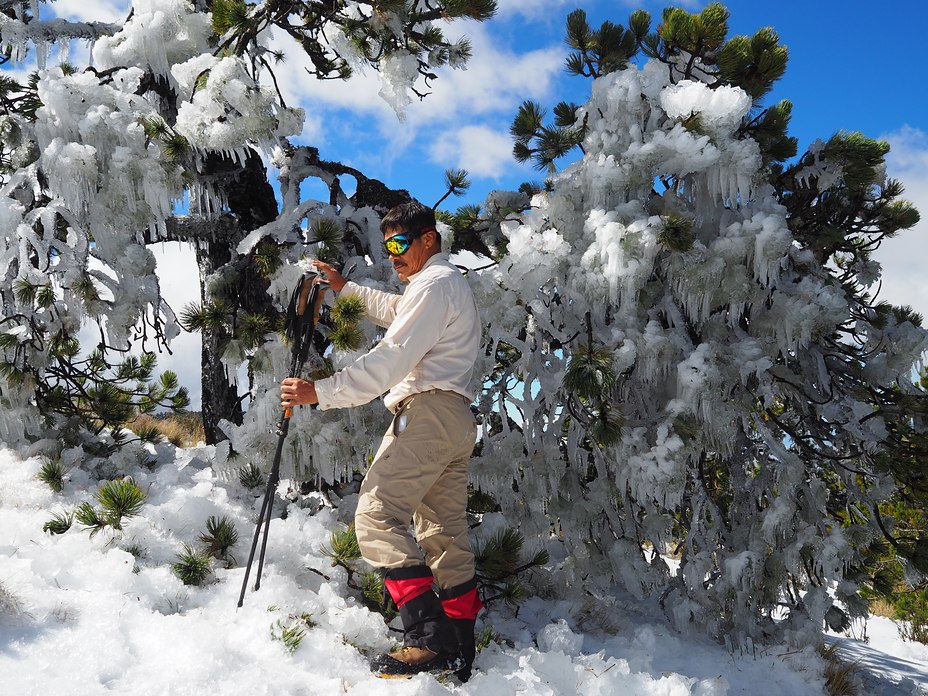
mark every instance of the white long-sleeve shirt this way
{"type": "Point", "coordinates": [433, 334]}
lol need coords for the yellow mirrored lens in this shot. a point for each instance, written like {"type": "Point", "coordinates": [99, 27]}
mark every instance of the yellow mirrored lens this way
{"type": "Point", "coordinates": [396, 245]}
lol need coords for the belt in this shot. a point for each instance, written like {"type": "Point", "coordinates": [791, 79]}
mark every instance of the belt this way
{"type": "Point", "coordinates": [405, 402]}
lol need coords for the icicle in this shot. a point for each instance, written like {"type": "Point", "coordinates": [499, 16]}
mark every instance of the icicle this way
{"type": "Point", "coordinates": [42, 48]}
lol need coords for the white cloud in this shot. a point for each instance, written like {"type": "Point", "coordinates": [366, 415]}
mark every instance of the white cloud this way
{"type": "Point", "coordinates": [96, 11]}
{"type": "Point", "coordinates": [358, 94]}
{"type": "Point", "coordinates": [480, 150]}
{"type": "Point", "coordinates": [496, 80]}
{"type": "Point", "coordinates": [532, 9]}
{"type": "Point", "coordinates": [180, 284]}
{"type": "Point", "coordinates": [905, 266]}
{"type": "Point", "coordinates": [494, 84]}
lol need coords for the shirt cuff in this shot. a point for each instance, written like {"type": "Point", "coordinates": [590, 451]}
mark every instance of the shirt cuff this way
{"type": "Point", "coordinates": [324, 393]}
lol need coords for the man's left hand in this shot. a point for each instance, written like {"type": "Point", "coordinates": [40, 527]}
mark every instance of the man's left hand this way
{"type": "Point", "coordinates": [295, 391]}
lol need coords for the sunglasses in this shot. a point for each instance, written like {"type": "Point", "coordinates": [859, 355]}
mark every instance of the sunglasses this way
{"type": "Point", "coordinates": [399, 244]}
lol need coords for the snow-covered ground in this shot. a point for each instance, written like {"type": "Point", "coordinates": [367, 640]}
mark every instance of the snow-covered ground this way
{"type": "Point", "coordinates": [82, 616]}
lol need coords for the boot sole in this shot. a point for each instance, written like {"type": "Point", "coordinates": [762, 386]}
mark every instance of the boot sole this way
{"type": "Point", "coordinates": [438, 674]}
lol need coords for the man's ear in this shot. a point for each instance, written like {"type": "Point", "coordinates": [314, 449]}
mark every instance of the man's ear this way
{"type": "Point", "coordinates": [435, 238]}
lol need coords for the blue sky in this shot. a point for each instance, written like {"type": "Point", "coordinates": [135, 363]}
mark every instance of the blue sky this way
{"type": "Point", "coordinates": [853, 66]}
{"type": "Point", "coordinates": [846, 71]}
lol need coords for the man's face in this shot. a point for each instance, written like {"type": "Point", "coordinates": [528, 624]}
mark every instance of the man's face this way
{"type": "Point", "coordinates": [413, 259]}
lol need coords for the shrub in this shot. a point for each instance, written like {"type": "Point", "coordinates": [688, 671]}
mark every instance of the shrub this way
{"type": "Point", "coordinates": [192, 566]}
{"type": "Point", "coordinates": [52, 474]}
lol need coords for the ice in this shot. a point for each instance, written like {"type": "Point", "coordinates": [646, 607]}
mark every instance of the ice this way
{"type": "Point", "coordinates": [720, 108]}
{"type": "Point", "coordinates": [398, 71]}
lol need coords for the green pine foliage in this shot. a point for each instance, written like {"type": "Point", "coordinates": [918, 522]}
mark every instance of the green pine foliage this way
{"type": "Point", "coordinates": [252, 329]}
{"type": "Point", "coordinates": [292, 631]}
{"type": "Point", "coordinates": [343, 546]}
{"type": "Point", "coordinates": [233, 319]}
{"type": "Point", "coordinates": [345, 553]}
{"type": "Point", "coordinates": [676, 233]}
{"type": "Point", "coordinates": [589, 381]}
{"type": "Point", "coordinates": [118, 500]}
{"type": "Point", "coordinates": [754, 63]}
{"type": "Point", "coordinates": [347, 337]}
{"type": "Point", "coordinates": [589, 372]}
{"type": "Point", "coordinates": [52, 474]}
{"type": "Point", "coordinates": [101, 395]}
{"type": "Point", "coordinates": [476, 228]}
{"type": "Point", "coordinates": [250, 476]}
{"type": "Point", "coordinates": [191, 566]}
{"type": "Point", "coordinates": [175, 146]}
{"type": "Point", "coordinates": [489, 635]}
{"type": "Point", "coordinates": [346, 315]}
{"type": "Point", "coordinates": [911, 606]}
{"type": "Point", "coordinates": [375, 595]}
{"type": "Point", "coordinates": [326, 235]}
{"type": "Point", "coordinates": [543, 144]}
{"type": "Point", "coordinates": [499, 562]}
{"type": "Point", "coordinates": [456, 184]}
{"type": "Point", "coordinates": [219, 537]}
{"type": "Point", "coordinates": [59, 523]}
{"type": "Point", "coordinates": [228, 15]}
{"type": "Point", "coordinates": [208, 316]}
{"type": "Point", "coordinates": [92, 519]}
{"type": "Point", "coordinates": [348, 310]}
{"type": "Point", "coordinates": [267, 258]}
{"type": "Point", "coordinates": [604, 50]}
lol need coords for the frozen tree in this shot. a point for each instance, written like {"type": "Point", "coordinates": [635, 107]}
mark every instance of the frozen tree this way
{"type": "Point", "coordinates": [179, 105]}
{"type": "Point", "coordinates": [683, 347]}
{"type": "Point", "coordinates": [684, 350]}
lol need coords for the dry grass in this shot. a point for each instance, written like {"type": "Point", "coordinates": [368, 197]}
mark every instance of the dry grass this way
{"type": "Point", "coordinates": [180, 430]}
{"type": "Point", "coordinates": [839, 675]}
{"type": "Point", "coordinates": [880, 607]}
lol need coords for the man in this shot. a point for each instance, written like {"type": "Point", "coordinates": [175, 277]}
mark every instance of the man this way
{"type": "Point", "coordinates": [419, 473]}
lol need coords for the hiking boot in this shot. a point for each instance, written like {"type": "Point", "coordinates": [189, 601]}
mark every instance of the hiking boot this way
{"type": "Point", "coordinates": [425, 624]}
{"type": "Point", "coordinates": [413, 660]}
{"type": "Point", "coordinates": [467, 644]}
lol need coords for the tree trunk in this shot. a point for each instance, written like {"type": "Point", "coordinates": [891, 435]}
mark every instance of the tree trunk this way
{"type": "Point", "coordinates": [251, 201]}
{"type": "Point", "coordinates": [220, 399]}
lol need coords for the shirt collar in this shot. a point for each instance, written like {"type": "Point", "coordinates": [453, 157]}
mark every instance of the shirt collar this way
{"type": "Point", "coordinates": [434, 258]}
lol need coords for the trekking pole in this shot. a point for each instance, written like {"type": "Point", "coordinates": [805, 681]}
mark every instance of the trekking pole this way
{"type": "Point", "coordinates": [302, 314]}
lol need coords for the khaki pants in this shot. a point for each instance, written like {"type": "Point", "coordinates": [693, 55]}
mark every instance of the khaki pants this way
{"type": "Point", "coordinates": [420, 474]}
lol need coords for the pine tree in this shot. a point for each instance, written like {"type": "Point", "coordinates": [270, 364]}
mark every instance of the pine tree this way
{"type": "Point", "coordinates": [118, 499]}
{"type": "Point", "coordinates": [104, 193]}
{"type": "Point", "coordinates": [684, 347]}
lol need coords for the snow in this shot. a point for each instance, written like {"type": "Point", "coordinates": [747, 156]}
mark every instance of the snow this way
{"type": "Point", "coordinates": [707, 333]}
{"type": "Point", "coordinates": [106, 615]}
{"type": "Point", "coordinates": [720, 108]}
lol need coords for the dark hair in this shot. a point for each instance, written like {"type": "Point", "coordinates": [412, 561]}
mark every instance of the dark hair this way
{"type": "Point", "coordinates": [409, 217]}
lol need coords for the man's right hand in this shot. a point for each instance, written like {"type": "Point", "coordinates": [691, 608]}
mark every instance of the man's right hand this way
{"type": "Point", "coordinates": [295, 392]}
{"type": "Point", "coordinates": [335, 279]}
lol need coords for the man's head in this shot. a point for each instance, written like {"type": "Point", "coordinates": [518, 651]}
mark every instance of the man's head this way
{"type": "Point", "coordinates": [410, 237]}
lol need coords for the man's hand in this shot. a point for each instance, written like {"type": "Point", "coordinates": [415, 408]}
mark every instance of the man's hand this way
{"type": "Point", "coordinates": [295, 391]}
{"type": "Point", "coordinates": [335, 279]}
